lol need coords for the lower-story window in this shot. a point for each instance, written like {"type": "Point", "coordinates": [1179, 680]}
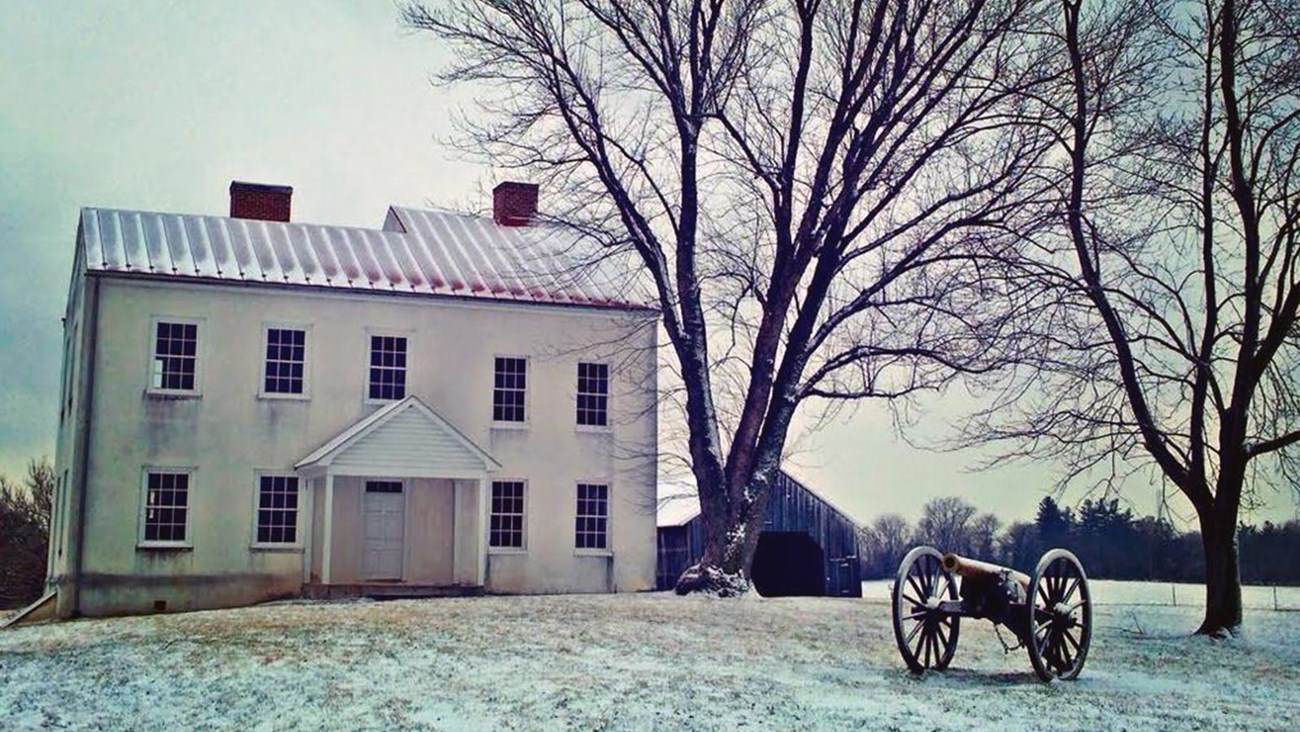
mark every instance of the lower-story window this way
{"type": "Point", "coordinates": [591, 530]}
{"type": "Point", "coordinates": [166, 520]}
{"type": "Point", "coordinates": [507, 517]}
{"type": "Point", "coordinates": [277, 509]}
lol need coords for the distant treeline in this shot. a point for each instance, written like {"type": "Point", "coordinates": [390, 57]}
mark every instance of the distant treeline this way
{"type": "Point", "coordinates": [1112, 543]}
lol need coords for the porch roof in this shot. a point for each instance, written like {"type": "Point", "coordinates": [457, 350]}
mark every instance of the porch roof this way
{"type": "Point", "coordinates": [404, 438]}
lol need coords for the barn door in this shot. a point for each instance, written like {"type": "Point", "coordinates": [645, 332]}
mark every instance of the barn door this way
{"type": "Point", "coordinates": [383, 535]}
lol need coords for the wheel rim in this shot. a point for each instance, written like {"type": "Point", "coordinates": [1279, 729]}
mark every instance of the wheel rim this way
{"type": "Point", "coordinates": [926, 636]}
{"type": "Point", "coordinates": [1061, 621]}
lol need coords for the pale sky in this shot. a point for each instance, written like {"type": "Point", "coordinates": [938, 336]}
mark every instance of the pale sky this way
{"type": "Point", "coordinates": [158, 105]}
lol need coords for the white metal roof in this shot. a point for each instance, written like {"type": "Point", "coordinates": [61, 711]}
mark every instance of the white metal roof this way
{"type": "Point", "coordinates": [417, 251]}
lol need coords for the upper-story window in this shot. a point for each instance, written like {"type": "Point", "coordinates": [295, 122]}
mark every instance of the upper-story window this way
{"type": "Point", "coordinates": [593, 394]}
{"type": "Point", "coordinates": [387, 367]}
{"type": "Point", "coordinates": [510, 383]}
{"type": "Point", "coordinates": [286, 359]}
{"type": "Point", "coordinates": [175, 356]}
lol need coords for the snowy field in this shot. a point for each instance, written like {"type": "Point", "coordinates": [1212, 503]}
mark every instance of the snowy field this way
{"type": "Point", "coordinates": [634, 662]}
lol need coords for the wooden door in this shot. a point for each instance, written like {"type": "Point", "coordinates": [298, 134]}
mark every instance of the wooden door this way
{"type": "Point", "coordinates": [384, 532]}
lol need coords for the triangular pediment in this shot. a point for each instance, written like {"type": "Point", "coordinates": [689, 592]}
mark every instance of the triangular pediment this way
{"type": "Point", "coordinates": [404, 438]}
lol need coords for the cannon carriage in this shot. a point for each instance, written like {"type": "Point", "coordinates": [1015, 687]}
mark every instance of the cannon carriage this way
{"type": "Point", "coordinates": [1049, 612]}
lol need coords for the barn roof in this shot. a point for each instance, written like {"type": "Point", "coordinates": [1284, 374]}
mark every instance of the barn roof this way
{"type": "Point", "coordinates": [417, 251]}
{"type": "Point", "coordinates": [680, 508]}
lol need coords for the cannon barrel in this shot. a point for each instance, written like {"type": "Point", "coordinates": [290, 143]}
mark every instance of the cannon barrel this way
{"type": "Point", "coordinates": [974, 568]}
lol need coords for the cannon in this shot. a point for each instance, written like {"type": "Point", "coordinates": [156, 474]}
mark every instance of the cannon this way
{"type": "Point", "coordinates": [1048, 611]}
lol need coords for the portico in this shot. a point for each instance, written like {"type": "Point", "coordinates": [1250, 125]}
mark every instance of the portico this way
{"type": "Point", "coordinates": [397, 504]}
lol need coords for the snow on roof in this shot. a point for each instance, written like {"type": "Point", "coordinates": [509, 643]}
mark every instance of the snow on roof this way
{"type": "Point", "coordinates": [417, 251]}
{"type": "Point", "coordinates": [678, 509]}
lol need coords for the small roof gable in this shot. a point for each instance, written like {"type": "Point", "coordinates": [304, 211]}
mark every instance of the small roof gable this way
{"type": "Point", "coordinates": [402, 438]}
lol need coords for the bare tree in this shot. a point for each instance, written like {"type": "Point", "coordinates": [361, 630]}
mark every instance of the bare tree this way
{"type": "Point", "coordinates": [884, 543]}
{"type": "Point", "coordinates": [24, 533]}
{"type": "Point", "coordinates": [1170, 339]}
{"type": "Point", "coordinates": [947, 524]}
{"type": "Point", "coordinates": [812, 188]}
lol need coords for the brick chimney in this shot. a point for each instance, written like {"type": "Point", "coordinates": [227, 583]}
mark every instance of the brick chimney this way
{"type": "Point", "coordinates": [514, 204]}
{"type": "Point", "coordinates": [259, 201]}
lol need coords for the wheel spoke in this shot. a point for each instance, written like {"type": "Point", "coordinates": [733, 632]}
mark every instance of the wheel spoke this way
{"type": "Point", "coordinates": [915, 615]}
{"type": "Point", "coordinates": [913, 600]}
{"type": "Point", "coordinates": [1074, 587]}
{"type": "Point", "coordinates": [927, 576]}
{"type": "Point", "coordinates": [1067, 661]}
{"type": "Point", "coordinates": [915, 629]}
{"type": "Point", "coordinates": [1071, 639]}
{"type": "Point", "coordinates": [916, 585]}
{"type": "Point", "coordinates": [942, 639]}
{"type": "Point", "coordinates": [926, 642]}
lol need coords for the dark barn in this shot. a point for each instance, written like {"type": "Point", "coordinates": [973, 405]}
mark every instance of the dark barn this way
{"type": "Point", "coordinates": [808, 547]}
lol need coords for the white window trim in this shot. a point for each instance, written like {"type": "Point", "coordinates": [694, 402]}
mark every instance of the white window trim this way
{"type": "Point", "coordinates": [608, 427]}
{"type": "Point", "coordinates": [308, 340]}
{"type": "Point", "coordinates": [141, 542]}
{"type": "Point", "coordinates": [528, 393]}
{"type": "Point", "coordinates": [527, 512]}
{"type": "Point", "coordinates": [409, 335]}
{"type": "Point", "coordinates": [297, 545]}
{"type": "Point", "coordinates": [200, 349]}
{"type": "Point", "coordinates": [608, 551]}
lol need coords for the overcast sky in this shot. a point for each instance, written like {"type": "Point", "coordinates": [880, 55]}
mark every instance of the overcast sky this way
{"type": "Point", "coordinates": [158, 105]}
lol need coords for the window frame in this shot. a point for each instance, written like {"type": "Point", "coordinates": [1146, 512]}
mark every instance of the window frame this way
{"type": "Point", "coordinates": [371, 334]}
{"type": "Point", "coordinates": [608, 549]}
{"type": "Point", "coordinates": [152, 544]}
{"type": "Point", "coordinates": [609, 399]}
{"type": "Point", "coordinates": [200, 347]}
{"type": "Point", "coordinates": [307, 359]}
{"type": "Point", "coordinates": [523, 539]}
{"type": "Point", "coordinates": [297, 544]}
{"type": "Point", "coordinates": [528, 407]}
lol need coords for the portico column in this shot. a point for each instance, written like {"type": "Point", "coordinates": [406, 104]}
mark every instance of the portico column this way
{"type": "Point", "coordinates": [327, 536]}
{"type": "Point", "coordinates": [484, 489]}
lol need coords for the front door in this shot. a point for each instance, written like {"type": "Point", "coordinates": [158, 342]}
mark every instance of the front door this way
{"type": "Point", "coordinates": [384, 520]}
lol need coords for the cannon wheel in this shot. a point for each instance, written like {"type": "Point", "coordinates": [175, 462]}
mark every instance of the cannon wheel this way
{"type": "Point", "coordinates": [926, 636]}
{"type": "Point", "coordinates": [1060, 626]}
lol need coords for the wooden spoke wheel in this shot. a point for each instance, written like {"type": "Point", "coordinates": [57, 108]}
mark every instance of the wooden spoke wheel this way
{"type": "Point", "coordinates": [926, 634]}
{"type": "Point", "coordinates": [1060, 621]}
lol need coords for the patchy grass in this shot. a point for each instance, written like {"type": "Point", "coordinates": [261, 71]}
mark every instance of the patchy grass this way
{"type": "Point", "coordinates": [632, 662]}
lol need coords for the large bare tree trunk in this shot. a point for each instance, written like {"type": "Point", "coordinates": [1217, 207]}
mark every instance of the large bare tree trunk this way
{"type": "Point", "coordinates": [1222, 577]}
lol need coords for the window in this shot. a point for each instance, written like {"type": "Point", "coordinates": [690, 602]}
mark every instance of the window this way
{"type": "Point", "coordinates": [286, 355]}
{"type": "Point", "coordinates": [175, 356]}
{"type": "Point", "coordinates": [277, 509]}
{"type": "Point", "coordinates": [592, 524]}
{"type": "Point", "coordinates": [166, 508]}
{"type": "Point", "coordinates": [383, 486]}
{"type": "Point", "coordinates": [387, 367]}
{"type": "Point", "coordinates": [593, 394]}
{"type": "Point", "coordinates": [507, 519]}
{"type": "Point", "coordinates": [509, 386]}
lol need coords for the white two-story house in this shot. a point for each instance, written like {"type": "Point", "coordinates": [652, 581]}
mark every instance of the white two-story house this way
{"type": "Point", "coordinates": [255, 408]}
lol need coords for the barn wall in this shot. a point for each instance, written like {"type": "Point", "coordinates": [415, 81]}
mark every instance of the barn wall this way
{"type": "Point", "coordinates": [792, 507]}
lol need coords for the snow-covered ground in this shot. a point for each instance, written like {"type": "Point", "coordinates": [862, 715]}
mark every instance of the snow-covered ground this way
{"type": "Point", "coordinates": [635, 662]}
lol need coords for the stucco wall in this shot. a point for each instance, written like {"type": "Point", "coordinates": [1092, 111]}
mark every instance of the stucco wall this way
{"type": "Point", "coordinates": [229, 433]}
